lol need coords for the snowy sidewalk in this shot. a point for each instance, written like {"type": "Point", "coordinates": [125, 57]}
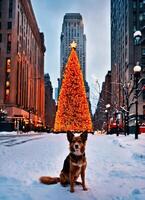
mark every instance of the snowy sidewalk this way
{"type": "Point", "coordinates": [116, 168]}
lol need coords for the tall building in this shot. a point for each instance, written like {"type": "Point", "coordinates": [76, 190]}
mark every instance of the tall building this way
{"type": "Point", "coordinates": [50, 106]}
{"type": "Point", "coordinates": [21, 62]}
{"type": "Point", "coordinates": [99, 119]}
{"type": "Point", "coordinates": [73, 29]}
{"type": "Point", "coordinates": [127, 16]}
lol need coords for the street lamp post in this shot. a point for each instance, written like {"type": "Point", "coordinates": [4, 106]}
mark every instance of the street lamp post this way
{"type": "Point", "coordinates": [117, 122]}
{"type": "Point", "coordinates": [106, 111]}
{"type": "Point", "coordinates": [107, 115]}
{"type": "Point", "coordinates": [137, 70]}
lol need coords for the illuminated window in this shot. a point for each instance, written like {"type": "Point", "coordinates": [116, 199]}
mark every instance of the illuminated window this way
{"type": "Point", "coordinates": [8, 65]}
{"type": "Point", "coordinates": [141, 17]}
{"type": "Point", "coordinates": [7, 83]}
{"type": "Point", "coordinates": [8, 70]}
{"type": "Point", "coordinates": [7, 91]}
{"type": "Point", "coordinates": [8, 61]}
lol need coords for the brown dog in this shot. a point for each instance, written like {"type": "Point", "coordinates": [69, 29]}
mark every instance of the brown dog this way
{"type": "Point", "coordinates": [74, 164]}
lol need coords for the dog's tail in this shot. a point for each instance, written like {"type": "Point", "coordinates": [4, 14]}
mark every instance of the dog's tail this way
{"type": "Point", "coordinates": [49, 180]}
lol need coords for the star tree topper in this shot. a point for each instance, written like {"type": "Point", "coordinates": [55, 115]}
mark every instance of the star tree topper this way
{"type": "Point", "coordinates": [73, 45]}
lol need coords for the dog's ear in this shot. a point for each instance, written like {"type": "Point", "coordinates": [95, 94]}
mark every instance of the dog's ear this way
{"type": "Point", "coordinates": [70, 136]}
{"type": "Point", "coordinates": [84, 136]}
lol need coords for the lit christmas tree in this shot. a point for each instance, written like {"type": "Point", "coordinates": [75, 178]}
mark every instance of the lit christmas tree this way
{"type": "Point", "coordinates": [73, 112]}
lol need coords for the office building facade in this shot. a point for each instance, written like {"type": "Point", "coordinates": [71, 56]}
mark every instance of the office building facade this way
{"type": "Point", "coordinates": [72, 30]}
{"type": "Point", "coordinates": [50, 106]}
{"type": "Point", "coordinates": [21, 62]}
{"type": "Point", "coordinates": [127, 17]}
{"type": "Point", "coordinates": [99, 118]}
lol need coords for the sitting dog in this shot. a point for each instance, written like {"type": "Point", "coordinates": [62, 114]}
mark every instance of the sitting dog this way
{"type": "Point", "coordinates": [74, 164]}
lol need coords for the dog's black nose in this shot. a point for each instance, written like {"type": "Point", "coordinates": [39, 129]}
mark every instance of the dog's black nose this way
{"type": "Point", "coordinates": [76, 146]}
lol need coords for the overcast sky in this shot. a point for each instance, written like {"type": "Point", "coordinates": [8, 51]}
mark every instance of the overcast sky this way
{"type": "Point", "coordinates": [96, 17]}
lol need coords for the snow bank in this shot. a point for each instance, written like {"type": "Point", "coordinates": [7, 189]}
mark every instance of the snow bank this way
{"type": "Point", "coordinates": [20, 133]}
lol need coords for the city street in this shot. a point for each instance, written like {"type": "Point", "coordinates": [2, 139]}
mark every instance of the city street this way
{"type": "Point", "coordinates": [115, 167]}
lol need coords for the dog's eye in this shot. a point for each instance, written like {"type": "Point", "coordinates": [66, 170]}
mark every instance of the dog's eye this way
{"type": "Point", "coordinates": [79, 141]}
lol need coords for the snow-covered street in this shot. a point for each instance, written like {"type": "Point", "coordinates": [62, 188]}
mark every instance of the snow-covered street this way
{"type": "Point", "coordinates": [116, 167]}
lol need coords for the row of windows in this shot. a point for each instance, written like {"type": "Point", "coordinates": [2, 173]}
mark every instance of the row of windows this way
{"type": "Point", "coordinates": [0, 8]}
{"type": "Point", "coordinates": [7, 81]}
{"type": "Point", "coordinates": [10, 8]}
{"type": "Point", "coordinates": [74, 24]}
{"type": "Point", "coordinates": [8, 42]}
{"type": "Point", "coordinates": [9, 25]}
{"type": "Point", "coordinates": [26, 39]}
{"type": "Point", "coordinates": [141, 4]}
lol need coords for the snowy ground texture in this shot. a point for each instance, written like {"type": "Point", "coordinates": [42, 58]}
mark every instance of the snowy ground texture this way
{"type": "Point", "coordinates": [115, 171]}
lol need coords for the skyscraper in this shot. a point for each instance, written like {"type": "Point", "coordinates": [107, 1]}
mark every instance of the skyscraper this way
{"type": "Point", "coordinates": [73, 29]}
{"type": "Point", "coordinates": [127, 16]}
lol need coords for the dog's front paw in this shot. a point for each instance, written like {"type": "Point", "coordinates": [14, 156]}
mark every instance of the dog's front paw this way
{"type": "Point", "coordinates": [72, 190]}
{"type": "Point", "coordinates": [85, 188]}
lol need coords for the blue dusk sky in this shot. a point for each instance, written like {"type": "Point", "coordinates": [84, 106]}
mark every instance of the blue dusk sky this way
{"type": "Point", "coordinates": [96, 17]}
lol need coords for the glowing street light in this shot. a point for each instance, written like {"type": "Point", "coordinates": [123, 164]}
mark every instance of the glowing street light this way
{"type": "Point", "coordinates": [137, 70]}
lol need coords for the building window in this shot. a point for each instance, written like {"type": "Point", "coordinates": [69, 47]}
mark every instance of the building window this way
{"type": "Point", "coordinates": [7, 91]}
{"type": "Point", "coordinates": [140, 4]}
{"type": "Point", "coordinates": [0, 8]}
{"type": "Point", "coordinates": [134, 28]}
{"type": "Point", "coordinates": [0, 37]}
{"type": "Point", "coordinates": [10, 8]}
{"type": "Point", "coordinates": [143, 90]}
{"type": "Point", "coordinates": [143, 51]}
{"type": "Point", "coordinates": [140, 17]}
{"type": "Point", "coordinates": [134, 4]}
{"type": "Point", "coordinates": [143, 95]}
{"type": "Point", "coordinates": [143, 110]}
{"type": "Point", "coordinates": [9, 25]}
{"type": "Point", "coordinates": [7, 83]}
{"type": "Point", "coordinates": [143, 16]}
{"type": "Point", "coordinates": [18, 24]}
{"type": "Point", "coordinates": [9, 37]}
{"type": "Point", "coordinates": [8, 65]}
{"type": "Point", "coordinates": [9, 43]}
{"type": "Point", "coordinates": [134, 17]}
{"type": "Point", "coordinates": [9, 47]}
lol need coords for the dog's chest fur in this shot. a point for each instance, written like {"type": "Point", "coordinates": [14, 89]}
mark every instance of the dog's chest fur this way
{"type": "Point", "coordinates": [74, 164]}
